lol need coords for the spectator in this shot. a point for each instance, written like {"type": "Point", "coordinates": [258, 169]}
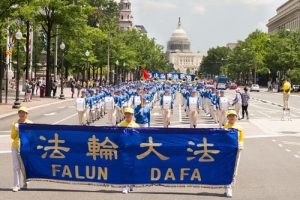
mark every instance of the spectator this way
{"type": "Point", "coordinates": [54, 87]}
{"type": "Point", "coordinates": [33, 86]}
{"type": "Point", "coordinates": [78, 87]}
{"type": "Point", "coordinates": [73, 84]}
{"type": "Point", "coordinates": [26, 89]}
{"type": "Point", "coordinates": [245, 103]}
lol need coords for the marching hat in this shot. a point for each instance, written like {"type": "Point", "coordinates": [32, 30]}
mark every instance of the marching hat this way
{"type": "Point", "coordinates": [128, 110]}
{"type": "Point", "coordinates": [231, 112]}
{"type": "Point", "coordinates": [23, 109]}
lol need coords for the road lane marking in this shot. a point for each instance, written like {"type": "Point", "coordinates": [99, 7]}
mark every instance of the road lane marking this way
{"type": "Point", "coordinates": [50, 114]}
{"type": "Point", "coordinates": [287, 150]}
{"type": "Point", "coordinates": [36, 107]}
{"type": "Point", "coordinates": [291, 143]}
{"type": "Point", "coordinates": [296, 156]}
{"type": "Point", "coordinates": [5, 152]}
{"type": "Point", "coordinates": [280, 145]}
{"type": "Point", "coordinates": [64, 119]}
{"type": "Point", "coordinates": [4, 131]}
{"type": "Point", "coordinates": [273, 140]}
{"type": "Point", "coordinates": [4, 136]}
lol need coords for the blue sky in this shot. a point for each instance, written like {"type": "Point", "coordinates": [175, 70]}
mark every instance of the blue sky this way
{"type": "Point", "coordinates": [209, 23]}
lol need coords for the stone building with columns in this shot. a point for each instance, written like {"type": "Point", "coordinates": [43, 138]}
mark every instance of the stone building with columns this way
{"type": "Point", "coordinates": [179, 52]}
{"type": "Point", "coordinates": [287, 17]}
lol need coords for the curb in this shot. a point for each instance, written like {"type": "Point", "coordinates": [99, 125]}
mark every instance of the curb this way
{"type": "Point", "coordinates": [35, 107]}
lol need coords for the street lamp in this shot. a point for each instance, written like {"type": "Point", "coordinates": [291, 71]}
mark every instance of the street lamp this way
{"type": "Point", "coordinates": [87, 54]}
{"type": "Point", "coordinates": [17, 103]}
{"type": "Point", "coordinates": [117, 76]}
{"type": "Point", "coordinates": [62, 47]}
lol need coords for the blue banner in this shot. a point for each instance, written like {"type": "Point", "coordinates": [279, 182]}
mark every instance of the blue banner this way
{"type": "Point", "coordinates": [126, 156]}
{"type": "Point", "coordinates": [173, 76]}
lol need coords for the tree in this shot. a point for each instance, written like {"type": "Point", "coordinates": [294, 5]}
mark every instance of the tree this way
{"type": "Point", "coordinates": [216, 59]}
{"type": "Point", "coordinates": [68, 15]}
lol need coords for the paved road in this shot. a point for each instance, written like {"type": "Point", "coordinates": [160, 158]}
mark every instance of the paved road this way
{"type": "Point", "coordinates": [269, 167]}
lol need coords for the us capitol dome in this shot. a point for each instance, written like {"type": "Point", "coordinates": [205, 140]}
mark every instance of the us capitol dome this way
{"type": "Point", "coordinates": [179, 52]}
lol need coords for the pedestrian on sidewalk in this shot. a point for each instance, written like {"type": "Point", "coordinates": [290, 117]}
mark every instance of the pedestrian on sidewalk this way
{"type": "Point", "coordinates": [78, 87]}
{"type": "Point", "coordinates": [54, 87]}
{"type": "Point", "coordinates": [38, 84]}
{"type": "Point", "coordinates": [12, 82]}
{"type": "Point", "coordinates": [245, 103]}
{"type": "Point", "coordinates": [27, 91]}
{"type": "Point", "coordinates": [73, 85]}
{"type": "Point", "coordinates": [33, 86]}
{"type": "Point", "coordinates": [23, 118]}
{"type": "Point", "coordinates": [232, 124]}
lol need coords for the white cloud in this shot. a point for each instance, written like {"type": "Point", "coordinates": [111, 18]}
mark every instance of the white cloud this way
{"type": "Point", "coordinates": [199, 9]}
{"type": "Point", "coordinates": [253, 2]}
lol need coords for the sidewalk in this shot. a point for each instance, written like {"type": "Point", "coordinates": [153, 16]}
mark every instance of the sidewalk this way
{"type": "Point", "coordinates": [37, 102]}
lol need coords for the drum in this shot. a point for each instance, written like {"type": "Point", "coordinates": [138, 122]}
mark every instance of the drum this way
{"type": "Point", "coordinates": [193, 103]}
{"type": "Point", "coordinates": [109, 103]}
{"type": "Point", "coordinates": [167, 100]}
{"type": "Point", "coordinates": [80, 104]}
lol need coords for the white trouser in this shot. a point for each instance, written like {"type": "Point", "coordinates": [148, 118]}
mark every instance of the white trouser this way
{"type": "Point", "coordinates": [207, 105]}
{"type": "Point", "coordinates": [111, 117]}
{"type": "Point", "coordinates": [213, 112]}
{"type": "Point", "coordinates": [193, 116]}
{"type": "Point", "coordinates": [143, 125]}
{"type": "Point", "coordinates": [119, 114]}
{"type": "Point", "coordinates": [286, 97]}
{"type": "Point", "coordinates": [102, 109]}
{"type": "Point", "coordinates": [16, 167]}
{"type": "Point", "coordinates": [166, 114]}
{"type": "Point", "coordinates": [82, 117]}
{"type": "Point", "coordinates": [182, 100]}
{"type": "Point", "coordinates": [223, 118]}
{"type": "Point", "coordinates": [237, 108]}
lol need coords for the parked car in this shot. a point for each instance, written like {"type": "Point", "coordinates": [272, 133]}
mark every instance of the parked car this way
{"type": "Point", "coordinates": [233, 86]}
{"type": "Point", "coordinates": [254, 88]}
{"type": "Point", "coordinates": [296, 88]}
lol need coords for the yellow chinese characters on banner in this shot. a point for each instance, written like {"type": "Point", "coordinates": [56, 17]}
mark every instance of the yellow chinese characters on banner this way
{"type": "Point", "coordinates": [107, 149]}
{"type": "Point", "coordinates": [151, 149]}
{"type": "Point", "coordinates": [55, 148]}
{"type": "Point", "coordinates": [206, 157]}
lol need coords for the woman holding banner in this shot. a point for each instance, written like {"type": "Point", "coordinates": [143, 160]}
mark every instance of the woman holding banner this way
{"type": "Point", "coordinates": [23, 113]}
{"type": "Point", "coordinates": [128, 122]}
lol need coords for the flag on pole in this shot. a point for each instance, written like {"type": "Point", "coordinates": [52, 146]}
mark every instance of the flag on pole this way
{"type": "Point", "coordinates": [146, 75]}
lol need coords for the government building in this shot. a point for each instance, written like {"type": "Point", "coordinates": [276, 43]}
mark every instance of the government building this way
{"type": "Point", "coordinates": [288, 17]}
{"type": "Point", "coordinates": [126, 18]}
{"type": "Point", "coordinates": [179, 52]}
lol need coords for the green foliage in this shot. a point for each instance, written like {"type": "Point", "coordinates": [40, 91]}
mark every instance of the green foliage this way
{"type": "Point", "coordinates": [216, 59]}
{"type": "Point", "coordinates": [259, 55]}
